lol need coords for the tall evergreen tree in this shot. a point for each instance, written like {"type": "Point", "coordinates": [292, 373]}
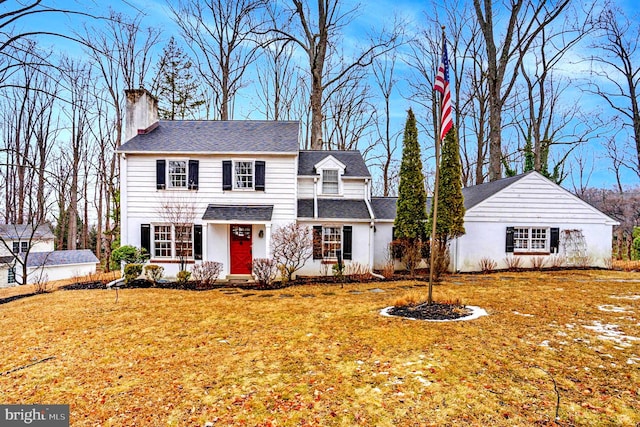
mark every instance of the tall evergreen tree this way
{"type": "Point", "coordinates": [411, 214]}
{"type": "Point", "coordinates": [450, 200]}
{"type": "Point", "coordinates": [176, 86]}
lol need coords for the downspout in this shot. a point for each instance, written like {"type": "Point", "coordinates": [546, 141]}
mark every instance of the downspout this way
{"type": "Point", "coordinates": [315, 197]}
{"type": "Point", "coordinates": [372, 226]}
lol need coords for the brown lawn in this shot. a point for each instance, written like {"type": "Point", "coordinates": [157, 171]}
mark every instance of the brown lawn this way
{"type": "Point", "coordinates": [322, 355]}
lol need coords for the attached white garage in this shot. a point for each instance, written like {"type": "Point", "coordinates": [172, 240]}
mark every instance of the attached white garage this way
{"type": "Point", "coordinates": [532, 219]}
{"type": "Point", "coordinates": [525, 218]}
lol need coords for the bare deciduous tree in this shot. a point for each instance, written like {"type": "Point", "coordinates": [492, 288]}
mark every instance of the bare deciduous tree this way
{"type": "Point", "coordinates": [317, 34]}
{"type": "Point", "coordinates": [222, 34]}
{"type": "Point", "coordinates": [619, 69]}
{"type": "Point", "coordinates": [527, 18]}
{"type": "Point", "coordinates": [291, 247]}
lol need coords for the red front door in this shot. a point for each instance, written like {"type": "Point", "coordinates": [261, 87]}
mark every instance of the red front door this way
{"type": "Point", "coordinates": [241, 249]}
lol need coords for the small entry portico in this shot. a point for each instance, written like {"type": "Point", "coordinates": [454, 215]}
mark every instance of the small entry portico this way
{"type": "Point", "coordinates": [234, 235]}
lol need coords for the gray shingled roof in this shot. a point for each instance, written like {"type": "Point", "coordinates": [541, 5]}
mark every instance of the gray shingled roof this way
{"type": "Point", "coordinates": [334, 209]}
{"type": "Point", "coordinates": [353, 161]}
{"type": "Point", "coordinates": [24, 232]}
{"type": "Point", "coordinates": [82, 256]}
{"type": "Point", "coordinates": [6, 259]}
{"type": "Point", "coordinates": [478, 193]}
{"type": "Point", "coordinates": [238, 213]}
{"type": "Point", "coordinates": [215, 136]}
{"type": "Point", "coordinates": [384, 207]}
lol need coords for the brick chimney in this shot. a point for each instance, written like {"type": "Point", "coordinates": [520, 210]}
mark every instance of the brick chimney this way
{"type": "Point", "coordinates": [141, 113]}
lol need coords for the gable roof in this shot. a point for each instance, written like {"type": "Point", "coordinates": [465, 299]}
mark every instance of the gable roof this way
{"type": "Point", "coordinates": [25, 231]}
{"type": "Point", "coordinates": [353, 161]}
{"type": "Point", "coordinates": [384, 207]}
{"type": "Point", "coordinates": [216, 136]}
{"type": "Point", "coordinates": [81, 256]}
{"type": "Point", "coordinates": [334, 209]}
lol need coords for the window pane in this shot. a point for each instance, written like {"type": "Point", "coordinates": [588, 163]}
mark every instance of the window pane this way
{"type": "Point", "coordinates": [538, 238]}
{"type": "Point", "coordinates": [184, 241]}
{"type": "Point", "coordinates": [16, 247]}
{"type": "Point", "coordinates": [162, 241]}
{"type": "Point", "coordinates": [244, 175]}
{"type": "Point", "coordinates": [521, 238]}
{"type": "Point", "coordinates": [177, 173]}
{"type": "Point", "coordinates": [330, 182]}
{"type": "Point", "coordinates": [331, 242]}
{"type": "Point", "coordinates": [11, 275]}
{"type": "Point", "coordinates": [24, 247]}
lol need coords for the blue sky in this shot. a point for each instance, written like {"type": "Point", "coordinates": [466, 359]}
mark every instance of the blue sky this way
{"type": "Point", "coordinates": [371, 15]}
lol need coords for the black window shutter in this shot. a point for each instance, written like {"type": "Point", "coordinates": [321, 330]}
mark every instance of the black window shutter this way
{"type": "Point", "coordinates": [509, 243]}
{"type": "Point", "coordinates": [554, 240]}
{"type": "Point", "coordinates": [226, 175]}
{"type": "Point", "coordinates": [194, 171]}
{"type": "Point", "coordinates": [145, 237]}
{"type": "Point", "coordinates": [347, 233]}
{"type": "Point", "coordinates": [259, 179]}
{"type": "Point", "coordinates": [317, 242]}
{"type": "Point", "coordinates": [197, 241]}
{"type": "Point", "coordinates": [161, 166]}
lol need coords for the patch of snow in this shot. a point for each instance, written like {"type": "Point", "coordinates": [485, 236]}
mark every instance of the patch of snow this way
{"type": "Point", "coordinates": [561, 334]}
{"type": "Point", "coordinates": [476, 312]}
{"type": "Point", "coordinates": [522, 314]}
{"type": "Point", "coordinates": [611, 332]}
{"type": "Point", "coordinates": [612, 308]}
{"type": "Point", "coordinates": [423, 381]}
{"type": "Point", "coordinates": [633, 360]}
{"type": "Point", "coordinates": [544, 343]}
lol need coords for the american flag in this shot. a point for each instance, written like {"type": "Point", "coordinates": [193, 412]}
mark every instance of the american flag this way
{"type": "Point", "coordinates": [442, 85]}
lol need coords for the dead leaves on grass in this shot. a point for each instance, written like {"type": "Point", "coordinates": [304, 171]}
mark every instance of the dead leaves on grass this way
{"type": "Point", "coordinates": [162, 357]}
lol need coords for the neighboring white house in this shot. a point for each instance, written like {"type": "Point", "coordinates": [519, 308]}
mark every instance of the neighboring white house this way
{"type": "Point", "coordinates": [18, 241]}
{"type": "Point", "coordinates": [194, 191]}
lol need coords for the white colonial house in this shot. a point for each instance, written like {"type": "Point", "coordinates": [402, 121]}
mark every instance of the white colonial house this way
{"type": "Point", "coordinates": [194, 191]}
{"type": "Point", "coordinates": [20, 242]}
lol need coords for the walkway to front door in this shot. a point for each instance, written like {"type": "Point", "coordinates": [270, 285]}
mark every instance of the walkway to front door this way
{"type": "Point", "coordinates": [241, 249]}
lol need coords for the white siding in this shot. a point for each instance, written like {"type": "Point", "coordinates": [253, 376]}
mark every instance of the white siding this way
{"type": "Point", "coordinates": [56, 272]}
{"type": "Point", "coordinates": [530, 202]}
{"type": "Point", "coordinates": [305, 188]}
{"type": "Point", "coordinates": [382, 239]}
{"type": "Point", "coordinates": [361, 242]}
{"type": "Point", "coordinates": [36, 246]}
{"type": "Point", "coordinates": [487, 240]}
{"type": "Point", "coordinates": [535, 200]}
{"type": "Point", "coordinates": [144, 201]}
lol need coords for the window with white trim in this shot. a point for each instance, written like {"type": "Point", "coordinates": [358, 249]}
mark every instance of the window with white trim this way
{"type": "Point", "coordinates": [530, 239]}
{"type": "Point", "coordinates": [331, 242]}
{"type": "Point", "coordinates": [177, 173]}
{"type": "Point", "coordinates": [173, 241]}
{"type": "Point", "coordinates": [243, 175]}
{"type": "Point", "coordinates": [162, 241]}
{"type": "Point", "coordinates": [330, 183]}
{"type": "Point", "coordinates": [11, 275]}
{"type": "Point", "coordinates": [184, 241]}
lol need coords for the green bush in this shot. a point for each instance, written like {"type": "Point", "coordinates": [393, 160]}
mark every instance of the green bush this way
{"type": "Point", "coordinates": [183, 277]}
{"type": "Point", "coordinates": [129, 254]}
{"type": "Point", "coordinates": [131, 272]}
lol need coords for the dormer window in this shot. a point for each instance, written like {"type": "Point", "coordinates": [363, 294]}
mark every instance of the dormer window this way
{"type": "Point", "coordinates": [330, 181]}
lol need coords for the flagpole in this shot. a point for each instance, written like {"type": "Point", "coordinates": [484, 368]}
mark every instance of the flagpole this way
{"type": "Point", "coordinates": [435, 191]}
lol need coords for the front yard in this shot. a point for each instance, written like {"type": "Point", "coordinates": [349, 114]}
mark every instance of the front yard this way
{"type": "Point", "coordinates": [322, 355]}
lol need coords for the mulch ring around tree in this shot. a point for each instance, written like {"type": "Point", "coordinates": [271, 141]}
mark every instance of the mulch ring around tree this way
{"type": "Point", "coordinates": [436, 312]}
